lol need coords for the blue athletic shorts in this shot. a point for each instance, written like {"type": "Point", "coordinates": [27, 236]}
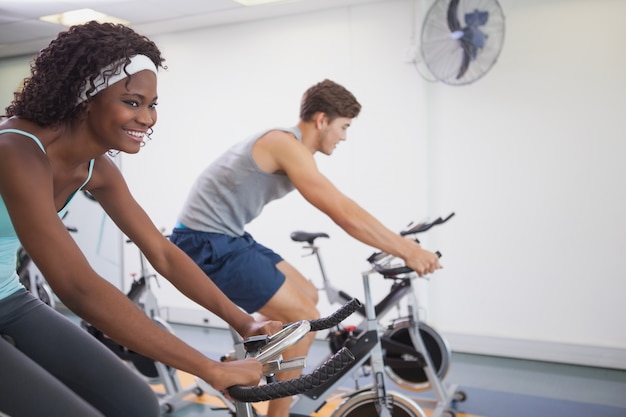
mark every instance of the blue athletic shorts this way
{"type": "Point", "coordinates": [242, 268]}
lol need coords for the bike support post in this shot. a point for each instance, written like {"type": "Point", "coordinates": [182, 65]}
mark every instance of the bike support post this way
{"type": "Point", "coordinates": [376, 355]}
{"type": "Point", "coordinates": [443, 397]}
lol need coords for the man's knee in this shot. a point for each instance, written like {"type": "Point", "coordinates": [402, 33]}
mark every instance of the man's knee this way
{"type": "Point", "coordinates": [288, 308]}
{"type": "Point", "coordinates": [315, 297]}
{"type": "Point", "coordinates": [305, 312]}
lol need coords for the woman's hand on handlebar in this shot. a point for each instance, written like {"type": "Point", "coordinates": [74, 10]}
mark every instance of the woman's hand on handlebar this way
{"type": "Point", "coordinates": [246, 372]}
{"type": "Point", "coordinates": [423, 262]}
{"type": "Point", "coordinates": [268, 327]}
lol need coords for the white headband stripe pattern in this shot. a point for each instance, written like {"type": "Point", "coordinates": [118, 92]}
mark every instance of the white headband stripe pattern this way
{"type": "Point", "coordinates": [137, 63]}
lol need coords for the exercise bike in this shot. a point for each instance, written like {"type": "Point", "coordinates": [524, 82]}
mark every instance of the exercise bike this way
{"type": "Point", "coordinates": [411, 353]}
{"type": "Point", "coordinates": [372, 349]}
{"type": "Point", "coordinates": [266, 349]}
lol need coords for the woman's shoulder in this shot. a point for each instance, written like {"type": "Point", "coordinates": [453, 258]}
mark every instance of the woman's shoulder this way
{"type": "Point", "coordinates": [13, 130]}
{"type": "Point", "coordinates": [104, 171]}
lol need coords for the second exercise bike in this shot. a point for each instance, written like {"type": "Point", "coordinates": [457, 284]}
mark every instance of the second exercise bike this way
{"type": "Point", "coordinates": [413, 354]}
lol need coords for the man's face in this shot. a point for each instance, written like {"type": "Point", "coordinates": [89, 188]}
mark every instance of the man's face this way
{"type": "Point", "coordinates": [332, 133]}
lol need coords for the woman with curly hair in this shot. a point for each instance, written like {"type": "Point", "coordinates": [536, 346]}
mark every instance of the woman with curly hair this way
{"type": "Point", "coordinates": [92, 91]}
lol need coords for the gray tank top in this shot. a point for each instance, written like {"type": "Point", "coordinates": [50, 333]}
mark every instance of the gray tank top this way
{"type": "Point", "coordinates": [233, 190]}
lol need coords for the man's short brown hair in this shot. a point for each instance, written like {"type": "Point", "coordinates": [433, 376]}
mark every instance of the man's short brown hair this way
{"type": "Point", "coordinates": [329, 98]}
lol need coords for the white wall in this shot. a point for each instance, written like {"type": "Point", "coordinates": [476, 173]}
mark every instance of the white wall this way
{"type": "Point", "coordinates": [531, 158]}
{"type": "Point", "coordinates": [13, 71]}
{"type": "Point", "coordinates": [225, 83]}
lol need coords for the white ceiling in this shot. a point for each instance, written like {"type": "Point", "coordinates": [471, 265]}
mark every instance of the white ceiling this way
{"type": "Point", "coordinates": [21, 32]}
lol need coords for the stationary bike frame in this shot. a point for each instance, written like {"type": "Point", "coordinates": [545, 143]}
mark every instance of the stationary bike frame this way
{"type": "Point", "coordinates": [266, 349]}
{"type": "Point", "coordinates": [401, 289]}
{"type": "Point", "coordinates": [367, 347]}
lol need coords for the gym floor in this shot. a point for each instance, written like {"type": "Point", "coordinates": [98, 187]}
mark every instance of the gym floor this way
{"type": "Point", "coordinates": [495, 387]}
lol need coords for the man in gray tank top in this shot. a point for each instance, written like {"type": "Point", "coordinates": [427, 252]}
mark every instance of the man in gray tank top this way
{"type": "Point", "coordinates": [233, 190]}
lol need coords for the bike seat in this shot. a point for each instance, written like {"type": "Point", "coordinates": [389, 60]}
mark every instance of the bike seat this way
{"type": "Point", "coordinates": [300, 236]}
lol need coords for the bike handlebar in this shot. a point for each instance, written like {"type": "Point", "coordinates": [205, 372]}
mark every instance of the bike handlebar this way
{"type": "Point", "coordinates": [398, 270]}
{"type": "Point", "coordinates": [337, 317]}
{"type": "Point", "coordinates": [424, 226]}
{"type": "Point", "coordinates": [315, 379]}
{"type": "Point", "coordinates": [333, 319]}
{"type": "Point", "coordinates": [391, 272]}
{"type": "Point", "coordinates": [295, 386]}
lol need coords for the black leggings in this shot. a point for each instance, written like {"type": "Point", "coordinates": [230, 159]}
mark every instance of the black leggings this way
{"type": "Point", "coordinates": [51, 367]}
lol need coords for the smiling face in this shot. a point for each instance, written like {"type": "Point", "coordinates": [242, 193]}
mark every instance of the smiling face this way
{"type": "Point", "coordinates": [121, 115]}
{"type": "Point", "coordinates": [332, 133]}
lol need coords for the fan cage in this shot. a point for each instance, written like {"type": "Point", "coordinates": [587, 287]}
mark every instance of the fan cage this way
{"type": "Point", "coordinates": [442, 50]}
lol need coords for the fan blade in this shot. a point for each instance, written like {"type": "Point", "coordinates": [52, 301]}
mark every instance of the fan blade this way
{"type": "Point", "coordinates": [453, 18]}
{"type": "Point", "coordinates": [467, 56]}
{"type": "Point", "coordinates": [477, 18]}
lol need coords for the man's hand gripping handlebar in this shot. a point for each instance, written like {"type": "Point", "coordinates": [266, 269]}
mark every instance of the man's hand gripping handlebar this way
{"type": "Point", "coordinates": [380, 261]}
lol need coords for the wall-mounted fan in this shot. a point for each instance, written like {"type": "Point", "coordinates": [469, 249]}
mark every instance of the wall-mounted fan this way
{"type": "Point", "coordinates": [461, 39]}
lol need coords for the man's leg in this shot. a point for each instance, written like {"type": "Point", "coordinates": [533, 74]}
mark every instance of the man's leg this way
{"type": "Point", "coordinates": [236, 263]}
{"type": "Point", "coordinates": [295, 300]}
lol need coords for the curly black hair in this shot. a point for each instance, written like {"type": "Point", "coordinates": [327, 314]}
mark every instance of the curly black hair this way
{"type": "Point", "coordinates": [73, 60]}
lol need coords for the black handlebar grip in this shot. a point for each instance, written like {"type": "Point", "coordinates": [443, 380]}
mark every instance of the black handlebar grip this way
{"type": "Point", "coordinates": [287, 388]}
{"type": "Point", "coordinates": [337, 317]}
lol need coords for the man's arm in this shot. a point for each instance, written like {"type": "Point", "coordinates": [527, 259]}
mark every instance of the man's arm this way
{"type": "Point", "coordinates": [279, 152]}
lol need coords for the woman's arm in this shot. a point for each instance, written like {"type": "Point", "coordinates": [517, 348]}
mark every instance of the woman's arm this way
{"type": "Point", "coordinates": [26, 184]}
{"type": "Point", "coordinates": [167, 259]}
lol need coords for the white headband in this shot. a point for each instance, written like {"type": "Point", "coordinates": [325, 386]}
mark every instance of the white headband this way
{"type": "Point", "coordinates": [137, 63]}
